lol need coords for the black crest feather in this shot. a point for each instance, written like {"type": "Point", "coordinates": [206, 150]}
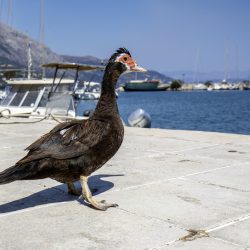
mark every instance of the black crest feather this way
{"type": "Point", "coordinates": [118, 52]}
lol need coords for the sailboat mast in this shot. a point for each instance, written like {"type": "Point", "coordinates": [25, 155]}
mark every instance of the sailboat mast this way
{"type": "Point", "coordinates": [1, 10]}
{"type": "Point", "coordinates": [237, 63]}
{"type": "Point", "coordinates": [195, 78]}
{"type": "Point", "coordinates": [226, 65]}
{"type": "Point", "coordinates": [29, 59]}
{"type": "Point", "coordinates": [10, 13]}
{"type": "Point", "coordinates": [41, 36]}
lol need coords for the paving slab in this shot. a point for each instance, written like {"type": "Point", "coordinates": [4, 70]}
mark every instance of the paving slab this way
{"type": "Point", "coordinates": [235, 178]}
{"type": "Point", "coordinates": [187, 204]}
{"type": "Point", "coordinates": [203, 244]}
{"type": "Point", "coordinates": [166, 182]}
{"type": "Point", "coordinates": [233, 153]}
{"type": "Point", "coordinates": [237, 233]}
{"type": "Point", "coordinates": [72, 225]}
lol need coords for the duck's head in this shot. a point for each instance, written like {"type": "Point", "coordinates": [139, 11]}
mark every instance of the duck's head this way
{"type": "Point", "coordinates": [123, 60]}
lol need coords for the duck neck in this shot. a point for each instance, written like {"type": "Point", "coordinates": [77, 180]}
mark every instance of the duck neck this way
{"type": "Point", "coordinates": [107, 105]}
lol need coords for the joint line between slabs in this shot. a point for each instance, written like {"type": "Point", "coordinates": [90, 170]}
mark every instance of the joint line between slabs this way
{"type": "Point", "coordinates": [228, 242]}
{"type": "Point", "coordinates": [31, 209]}
{"type": "Point", "coordinates": [128, 188]}
{"type": "Point", "coordinates": [156, 153]}
{"type": "Point", "coordinates": [196, 148]}
{"type": "Point", "coordinates": [169, 179]}
{"type": "Point", "coordinates": [234, 221]}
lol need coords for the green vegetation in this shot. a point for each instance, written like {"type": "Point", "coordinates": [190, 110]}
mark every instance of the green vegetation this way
{"type": "Point", "coordinates": [176, 84]}
{"type": "Point", "coordinates": [208, 83]}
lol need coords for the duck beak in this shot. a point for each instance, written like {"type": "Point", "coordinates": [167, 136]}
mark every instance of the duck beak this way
{"type": "Point", "coordinates": [137, 68]}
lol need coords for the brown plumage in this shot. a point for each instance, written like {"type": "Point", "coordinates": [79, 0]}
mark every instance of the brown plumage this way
{"type": "Point", "coordinates": [73, 150]}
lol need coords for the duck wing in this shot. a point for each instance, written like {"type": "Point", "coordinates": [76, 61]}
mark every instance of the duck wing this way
{"type": "Point", "coordinates": [67, 140]}
{"type": "Point", "coordinates": [59, 128]}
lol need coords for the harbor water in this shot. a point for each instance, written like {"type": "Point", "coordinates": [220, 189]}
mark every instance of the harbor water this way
{"type": "Point", "coordinates": [216, 111]}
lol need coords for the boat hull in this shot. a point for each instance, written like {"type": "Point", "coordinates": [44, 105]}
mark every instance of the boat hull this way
{"type": "Point", "coordinates": [143, 86]}
{"type": "Point", "coordinates": [135, 89]}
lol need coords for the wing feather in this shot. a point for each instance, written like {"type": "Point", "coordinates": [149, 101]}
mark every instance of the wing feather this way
{"type": "Point", "coordinates": [67, 140]}
{"type": "Point", "coordinates": [46, 137]}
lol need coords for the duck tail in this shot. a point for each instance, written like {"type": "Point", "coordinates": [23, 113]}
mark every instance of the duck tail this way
{"type": "Point", "coordinates": [14, 173]}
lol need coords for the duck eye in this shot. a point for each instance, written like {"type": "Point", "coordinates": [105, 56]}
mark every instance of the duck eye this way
{"type": "Point", "coordinates": [125, 59]}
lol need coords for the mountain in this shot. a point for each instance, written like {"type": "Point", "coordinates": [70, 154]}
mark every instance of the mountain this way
{"type": "Point", "coordinates": [97, 76]}
{"type": "Point", "coordinates": [13, 51]}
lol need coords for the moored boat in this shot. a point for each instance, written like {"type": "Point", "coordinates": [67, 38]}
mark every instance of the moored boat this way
{"type": "Point", "coordinates": [145, 85]}
{"type": "Point", "coordinates": [51, 97]}
{"type": "Point", "coordinates": [89, 91]}
{"type": "Point", "coordinates": [2, 94]}
{"type": "Point", "coordinates": [35, 97]}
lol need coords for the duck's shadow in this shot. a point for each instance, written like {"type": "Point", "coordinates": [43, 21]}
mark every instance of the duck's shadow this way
{"type": "Point", "coordinates": [57, 194]}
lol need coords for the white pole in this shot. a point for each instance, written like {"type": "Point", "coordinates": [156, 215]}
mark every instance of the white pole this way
{"type": "Point", "coordinates": [29, 61]}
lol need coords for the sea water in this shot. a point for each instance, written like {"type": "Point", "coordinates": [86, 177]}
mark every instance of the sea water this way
{"type": "Point", "coordinates": [218, 111]}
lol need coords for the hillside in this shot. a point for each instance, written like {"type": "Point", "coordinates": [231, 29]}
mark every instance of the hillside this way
{"type": "Point", "coordinates": [13, 49]}
{"type": "Point", "coordinates": [13, 52]}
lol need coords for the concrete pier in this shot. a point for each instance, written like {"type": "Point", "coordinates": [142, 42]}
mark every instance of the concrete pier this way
{"type": "Point", "coordinates": [175, 190]}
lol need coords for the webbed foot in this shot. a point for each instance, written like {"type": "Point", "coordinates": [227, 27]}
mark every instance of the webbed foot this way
{"type": "Point", "coordinates": [101, 205]}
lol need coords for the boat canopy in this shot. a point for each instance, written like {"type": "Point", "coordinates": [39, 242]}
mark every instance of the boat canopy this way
{"type": "Point", "coordinates": [11, 73]}
{"type": "Point", "coordinates": [12, 70]}
{"type": "Point", "coordinates": [73, 66]}
{"type": "Point", "coordinates": [45, 81]}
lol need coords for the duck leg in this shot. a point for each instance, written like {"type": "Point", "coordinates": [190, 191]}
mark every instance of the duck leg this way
{"type": "Point", "coordinates": [73, 190]}
{"type": "Point", "coordinates": [101, 205]}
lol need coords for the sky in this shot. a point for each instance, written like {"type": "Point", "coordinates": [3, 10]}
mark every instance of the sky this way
{"type": "Point", "coordinates": [164, 35]}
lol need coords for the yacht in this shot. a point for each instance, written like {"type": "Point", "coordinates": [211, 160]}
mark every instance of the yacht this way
{"type": "Point", "coordinates": [200, 86]}
{"type": "Point", "coordinates": [89, 91]}
{"type": "Point", "coordinates": [2, 94]}
{"type": "Point", "coordinates": [48, 97]}
{"type": "Point", "coordinates": [145, 85]}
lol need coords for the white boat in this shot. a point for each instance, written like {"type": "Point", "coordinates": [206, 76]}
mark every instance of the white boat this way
{"type": "Point", "coordinates": [89, 91]}
{"type": "Point", "coordinates": [43, 97]}
{"type": "Point", "coordinates": [217, 86]}
{"type": "Point", "coordinates": [200, 86]}
{"type": "Point", "coordinates": [145, 85]}
{"type": "Point", "coordinates": [2, 94]}
{"type": "Point", "coordinates": [35, 97]}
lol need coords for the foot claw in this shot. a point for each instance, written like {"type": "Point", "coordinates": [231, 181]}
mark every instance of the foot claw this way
{"type": "Point", "coordinates": [102, 205]}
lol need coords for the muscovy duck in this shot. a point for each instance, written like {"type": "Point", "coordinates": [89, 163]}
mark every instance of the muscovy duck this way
{"type": "Point", "coordinates": [73, 150]}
